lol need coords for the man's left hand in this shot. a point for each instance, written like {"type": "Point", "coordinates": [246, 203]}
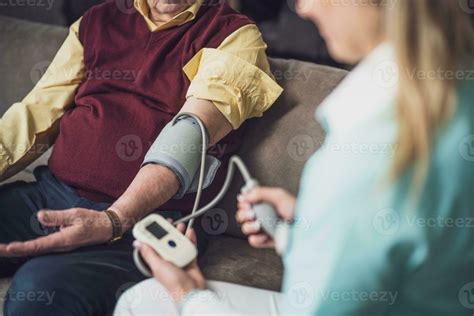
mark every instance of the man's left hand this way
{"type": "Point", "coordinates": [78, 228]}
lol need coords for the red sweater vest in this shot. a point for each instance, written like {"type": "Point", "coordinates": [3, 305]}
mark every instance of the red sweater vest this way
{"type": "Point", "coordinates": [134, 86]}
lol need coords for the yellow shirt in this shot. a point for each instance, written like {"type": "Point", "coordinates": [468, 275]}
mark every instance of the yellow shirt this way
{"type": "Point", "coordinates": [236, 77]}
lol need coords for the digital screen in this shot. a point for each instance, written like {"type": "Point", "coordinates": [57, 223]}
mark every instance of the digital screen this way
{"type": "Point", "coordinates": [157, 231]}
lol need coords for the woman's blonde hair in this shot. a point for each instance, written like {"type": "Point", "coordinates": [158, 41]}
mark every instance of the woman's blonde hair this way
{"type": "Point", "coordinates": [433, 40]}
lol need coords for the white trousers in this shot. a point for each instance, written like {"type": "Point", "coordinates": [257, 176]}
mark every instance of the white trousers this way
{"type": "Point", "coordinates": [151, 298]}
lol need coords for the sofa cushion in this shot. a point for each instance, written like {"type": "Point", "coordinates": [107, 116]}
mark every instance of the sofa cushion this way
{"type": "Point", "coordinates": [27, 50]}
{"type": "Point", "coordinates": [277, 146]}
{"type": "Point", "coordinates": [232, 260]}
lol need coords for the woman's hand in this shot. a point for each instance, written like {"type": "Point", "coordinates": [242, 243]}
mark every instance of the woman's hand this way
{"type": "Point", "coordinates": [283, 202]}
{"type": "Point", "coordinates": [178, 282]}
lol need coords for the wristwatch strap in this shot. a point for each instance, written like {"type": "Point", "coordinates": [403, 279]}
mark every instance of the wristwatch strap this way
{"type": "Point", "coordinates": [117, 229]}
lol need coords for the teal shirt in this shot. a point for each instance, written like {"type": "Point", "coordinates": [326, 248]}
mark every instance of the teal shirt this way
{"type": "Point", "coordinates": [360, 245]}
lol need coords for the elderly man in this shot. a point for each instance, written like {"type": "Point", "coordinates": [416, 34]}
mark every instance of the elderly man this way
{"type": "Point", "coordinates": [121, 76]}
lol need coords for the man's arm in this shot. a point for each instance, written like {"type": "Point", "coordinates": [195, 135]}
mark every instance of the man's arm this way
{"type": "Point", "coordinates": [222, 97]}
{"type": "Point", "coordinates": [29, 127]}
{"type": "Point", "coordinates": [229, 85]}
{"type": "Point", "coordinates": [154, 184]}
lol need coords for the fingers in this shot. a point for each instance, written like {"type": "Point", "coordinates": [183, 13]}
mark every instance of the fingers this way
{"type": "Point", "coordinates": [158, 265]}
{"type": "Point", "coordinates": [3, 250]}
{"type": "Point", "coordinates": [182, 228]}
{"type": "Point", "coordinates": [262, 194]}
{"type": "Point", "coordinates": [149, 255]}
{"type": "Point", "coordinates": [58, 218]}
{"type": "Point", "coordinates": [250, 228]}
{"type": "Point", "coordinates": [283, 201]}
{"type": "Point", "coordinates": [261, 241]}
{"type": "Point", "coordinates": [243, 216]}
{"type": "Point", "coordinates": [191, 234]}
{"type": "Point", "coordinates": [51, 243]}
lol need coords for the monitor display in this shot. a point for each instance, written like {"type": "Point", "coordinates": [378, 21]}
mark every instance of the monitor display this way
{"type": "Point", "coordinates": [157, 231]}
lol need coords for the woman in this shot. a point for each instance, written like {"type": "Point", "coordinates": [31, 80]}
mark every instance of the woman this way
{"type": "Point", "coordinates": [391, 226]}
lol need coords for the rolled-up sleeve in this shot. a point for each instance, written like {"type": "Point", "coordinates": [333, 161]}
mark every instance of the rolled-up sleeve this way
{"type": "Point", "coordinates": [236, 76]}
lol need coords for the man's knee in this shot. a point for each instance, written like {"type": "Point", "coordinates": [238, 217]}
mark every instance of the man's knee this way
{"type": "Point", "coordinates": [40, 287]}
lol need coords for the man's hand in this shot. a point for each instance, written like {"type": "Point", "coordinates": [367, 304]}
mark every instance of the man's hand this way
{"type": "Point", "coordinates": [178, 282]}
{"type": "Point", "coordinates": [283, 202]}
{"type": "Point", "coordinates": [78, 228]}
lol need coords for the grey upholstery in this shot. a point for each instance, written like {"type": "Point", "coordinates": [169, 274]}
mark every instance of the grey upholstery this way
{"type": "Point", "coordinates": [276, 146]}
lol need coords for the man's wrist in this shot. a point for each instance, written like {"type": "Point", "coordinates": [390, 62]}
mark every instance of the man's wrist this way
{"type": "Point", "coordinates": [117, 227]}
{"type": "Point", "coordinates": [127, 222]}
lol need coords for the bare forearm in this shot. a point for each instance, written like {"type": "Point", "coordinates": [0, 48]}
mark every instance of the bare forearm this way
{"type": "Point", "coordinates": [153, 186]}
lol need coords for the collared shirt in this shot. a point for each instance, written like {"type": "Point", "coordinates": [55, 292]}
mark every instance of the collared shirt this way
{"type": "Point", "coordinates": [34, 119]}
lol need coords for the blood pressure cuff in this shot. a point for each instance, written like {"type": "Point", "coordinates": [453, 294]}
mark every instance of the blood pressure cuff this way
{"type": "Point", "coordinates": [179, 148]}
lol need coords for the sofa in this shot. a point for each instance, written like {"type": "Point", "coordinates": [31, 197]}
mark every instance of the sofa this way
{"type": "Point", "coordinates": [276, 146]}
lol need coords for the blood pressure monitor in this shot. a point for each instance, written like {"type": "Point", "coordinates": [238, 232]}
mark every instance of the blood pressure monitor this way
{"type": "Point", "coordinates": [166, 240]}
{"type": "Point", "coordinates": [173, 246]}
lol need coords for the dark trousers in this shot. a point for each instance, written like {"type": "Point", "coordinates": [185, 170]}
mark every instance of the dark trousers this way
{"type": "Point", "coordinates": [87, 281]}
